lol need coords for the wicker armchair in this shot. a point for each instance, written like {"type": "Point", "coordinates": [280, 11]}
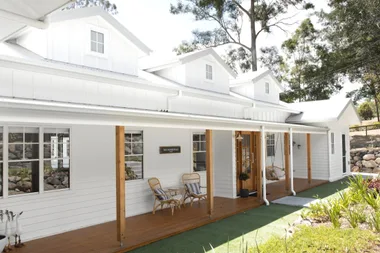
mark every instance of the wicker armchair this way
{"type": "Point", "coordinates": [192, 182]}
{"type": "Point", "coordinates": [161, 197]}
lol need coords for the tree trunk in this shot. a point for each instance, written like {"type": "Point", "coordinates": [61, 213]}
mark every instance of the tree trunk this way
{"type": "Point", "coordinates": [377, 109]}
{"type": "Point", "coordinates": [253, 37]}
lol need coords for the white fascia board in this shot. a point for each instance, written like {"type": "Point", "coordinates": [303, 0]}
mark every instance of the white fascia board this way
{"type": "Point", "coordinates": [48, 112]}
{"type": "Point", "coordinates": [215, 97]}
{"type": "Point", "coordinates": [81, 73]}
{"type": "Point", "coordinates": [170, 64]}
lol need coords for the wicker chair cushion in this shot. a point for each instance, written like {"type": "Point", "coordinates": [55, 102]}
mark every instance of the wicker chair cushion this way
{"type": "Point", "coordinates": [161, 194]}
{"type": "Point", "coordinates": [194, 188]}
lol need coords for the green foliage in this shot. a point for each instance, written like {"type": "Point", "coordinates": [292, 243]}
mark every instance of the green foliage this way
{"type": "Point", "coordinates": [374, 221]}
{"type": "Point", "coordinates": [355, 216]}
{"type": "Point", "coordinates": [104, 4]}
{"type": "Point", "coordinates": [332, 209]}
{"type": "Point", "coordinates": [365, 111]}
{"type": "Point", "coordinates": [372, 198]}
{"type": "Point", "coordinates": [321, 239]}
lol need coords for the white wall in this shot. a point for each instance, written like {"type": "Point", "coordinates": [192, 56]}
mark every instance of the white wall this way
{"type": "Point", "coordinates": [69, 41]}
{"type": "Point", "coordinates": [224, 164]}
{"type": "Point", "coordinates": [176, 74]}
{"type": "Point", "coordinates": [196, 75]}
{"type": "Point", "coordinates": [273, 96]}
{"type": "Point", "coordinates": [319, 156]}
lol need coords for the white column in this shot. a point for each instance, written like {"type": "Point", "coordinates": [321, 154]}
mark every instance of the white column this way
{"type": "Point", "coordinates": [263, 156]}
{"type": "Point", "coordinates": [329, 151]}
{"type": "Point", "coordinates": [291, 161]}
{"type": "Point", "coordinates": [5, 161]}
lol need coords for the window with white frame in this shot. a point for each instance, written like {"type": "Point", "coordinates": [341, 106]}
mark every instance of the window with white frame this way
{"type": "Point", "coordinates": [199, 151]}
{"type": "Point", "coordinates": [267, 88]}
{"type": "Point", "coordinates": [97, 42]}
{"type": "Point", "coordinates": [208, 72]}
{"type": "Point", "coordinates": [23, 160]}
{"type": "Point", "coordinates": [332, 143]}
{"type": "Point", "coordinates": [1, 161]}
{"type": "Point", "coordinates": [134, 155]}
{"type": "Point", "coordinates": [270, 144]}
{"type": "Point", "coordinates": [56, 158]}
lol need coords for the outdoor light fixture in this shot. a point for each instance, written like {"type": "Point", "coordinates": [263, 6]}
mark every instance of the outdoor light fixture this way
{"type": "Point", "coordinates": [239, 137]}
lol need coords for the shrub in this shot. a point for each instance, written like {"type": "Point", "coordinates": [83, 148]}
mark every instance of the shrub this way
{"type": "Point", "coordinates": [374, 221]}
{"type": "Point", "coordinates": [365, 111]}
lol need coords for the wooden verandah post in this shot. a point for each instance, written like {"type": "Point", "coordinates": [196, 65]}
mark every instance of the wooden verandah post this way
{"type": "Point", "coordinates": [287, 161]}
{"type": "Point", "coordinates": [209, 172]}
{"type": "Point", "coordinates": [120, 184]}
{"type": "Point", "coordinates": [308, 147]}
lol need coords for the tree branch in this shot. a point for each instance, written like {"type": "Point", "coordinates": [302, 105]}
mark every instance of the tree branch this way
{"type": "Point", "coordinates": [242, 8]}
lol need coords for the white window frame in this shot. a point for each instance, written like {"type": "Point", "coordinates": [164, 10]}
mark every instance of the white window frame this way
{"type": "Point", "coordinates": [271, 145]}
{"type": "Point", "coordinates": [267, 89]}
{"type": "Point", "coordinates": [128, 131]}
{"type": "Point", "coordinates": [332, 137]}
{"type": "Point", "coordinates": [207, 72]}
{"type": "Point", "coordinates": [198, 151]}
{"type": "Point", "coordinates": [87, 39]}
{"type": "Point", "coordinates": [40, 159]}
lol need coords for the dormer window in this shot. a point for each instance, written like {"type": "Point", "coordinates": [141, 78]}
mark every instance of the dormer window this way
{"type": "Point", "coordinates": [267, 88]}
{"type": "Point", "coordinates": [97, 42]}
{"type": "Point", "coordinates": [208, 72]}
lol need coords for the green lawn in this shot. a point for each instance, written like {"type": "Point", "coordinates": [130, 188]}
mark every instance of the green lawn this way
{"type": "Point", "coordinates": [258, 224]}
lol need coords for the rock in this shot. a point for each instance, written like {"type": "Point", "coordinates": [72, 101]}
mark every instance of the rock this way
{"type": "Point", "coordinates": [26, 179]}
{"type": "Point", "coordinates": [65, 181]}
{"type": "Point", "coordinates": [11, 186]}
{"type": "Point", "coordinates": [356, 158]}
{"type": "Point", "coordinates": [14, 179]}
{"type": "Point", "coordinates": [359, 164]}
{"type": "Point", "coordinates": [24, 186]}
{"type": "Point", "coordinates": [377, 160]}
{"type": "Point", "coordinates": [355, 169]}
{"type": "Point", "coordinates": [53, 181]}
{"type": "Point", "coordinates": [370, 164]}
{"type": "Point", "coordinates": [60, 187]}
{"type": "Point", "coordinates": [376, 170]}
{"type": "Point", "coordinates": [368, 157]}
{"type": "Point", "coordinates": [48, 187]}
{"type": "Point", "coordinates": [367, 170]}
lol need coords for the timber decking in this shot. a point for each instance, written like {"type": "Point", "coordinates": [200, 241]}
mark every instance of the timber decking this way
{"type": "Point", "coordinates": [146, 228]}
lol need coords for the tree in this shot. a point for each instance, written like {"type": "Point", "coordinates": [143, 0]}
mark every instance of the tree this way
{"type": "Point", "coordinates": [365, 111]}
{"type": "Point", "coordinates": [106, 5]}
{"type": "Point", "coordinates": [352, 28]}
{"type": "Point", "coordinates": [228, 16]}
{"type": "Point", "coordinates": [305, 67]}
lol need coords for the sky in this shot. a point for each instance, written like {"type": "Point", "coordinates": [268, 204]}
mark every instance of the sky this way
{"type": "Point", "coordinates": [153, 24]}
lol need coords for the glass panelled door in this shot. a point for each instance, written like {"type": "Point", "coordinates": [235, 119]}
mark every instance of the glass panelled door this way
{"type": "Point", "coordinates": [344, 153]}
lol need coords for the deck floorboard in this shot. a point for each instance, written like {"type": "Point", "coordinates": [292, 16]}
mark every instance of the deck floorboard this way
{"type": "Point", "coordinates": [147, 228]}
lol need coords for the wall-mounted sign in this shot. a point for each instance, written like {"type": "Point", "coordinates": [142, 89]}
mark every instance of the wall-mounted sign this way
{"type": "Point", "coordinates": [170, 150]}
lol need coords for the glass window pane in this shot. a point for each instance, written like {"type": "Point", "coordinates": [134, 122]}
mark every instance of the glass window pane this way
{"type": "Point", "coordinates": [137, 137]}
{"type": "Point", "coordinates": [199, 161]}
{"type": "Point", "coordinates": [196, 137]}
{"type": "Point", "coordinates": [1, 179]}
{"type": "Point", "coordinates": [49, 133]}
{"type": "Point", "coordinates": [202, 146]}
{"type": "Point", "coordinates": [56, 174]}
{"type": "Point", "coordinates": [50, 151]}
{"type": "Point", "coordinates": [93, 46]}
{"type": "Point", "coordinates": [1, 152]}
{"type": "Point", "coordinates": [23, 177]}
{"type": "Point", "coordinates": [15, 134]}
{"type": "Point", "coordinates": [93, 35]}
{"type": "Point", "coordinates": [128, 149]}
{"type": "Point", "coordinates": [203, 137]}
{"type": "Point", "coordinates": [133, 167]}
{"type": "Point", "coordinates": [101, 48]}
{"type": "Point", "coordinates": [101, 38]}
{"type": "Point", "coordinates": [31, 151]}
{"type": "Point", "coordinates": [195, 146]}
{"type": "Point", "coordinates": [31, 134]}
{"type": "Point", "coordinates": [63, 150]}
{"type": "Point", "coordinates": [128, 137]}
{"type": "Point", "coordinates": [137, 148]}
{"type": "Point", "coordinates": [1, 134]}
{"type": "Point", "coordinates": [63, 136]}
{"type": "Point", "coordinates": [15, 152]}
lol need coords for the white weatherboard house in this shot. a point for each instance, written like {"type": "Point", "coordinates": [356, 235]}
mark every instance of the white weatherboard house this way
{"type": "Point", "coordinates": [66, 87]}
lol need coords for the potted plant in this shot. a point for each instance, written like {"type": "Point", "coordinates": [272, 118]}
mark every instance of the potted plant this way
{"type": "Point", "coordinates": [244, 176]}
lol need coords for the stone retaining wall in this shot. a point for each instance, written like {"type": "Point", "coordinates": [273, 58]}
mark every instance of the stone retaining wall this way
{"type": "Point", "coordinates": [365, 160]}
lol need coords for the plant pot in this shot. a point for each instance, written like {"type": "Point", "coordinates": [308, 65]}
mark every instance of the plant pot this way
{"type": "Point", "coordinates": [244, 193]}
{"type": "Point", "coordinates": [3, 242]}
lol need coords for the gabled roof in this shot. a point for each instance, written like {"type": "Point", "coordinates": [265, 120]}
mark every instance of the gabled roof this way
{"type": "Point", "coordinates": [153, 65]}
{"type": "Point", "coordinates": [97, 11]}
{"type": "Point", "coordinates": [18, 15]}
{"type": "Point", "coordinates": [321, 111]}
{"type": "Point", "coordinates": [252, 77]}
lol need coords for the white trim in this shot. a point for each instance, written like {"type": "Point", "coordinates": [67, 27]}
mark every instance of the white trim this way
{"type": "Point", "coordinates": [87, 40]}
{"type": "Point", "coordinates": [211, 65]}
{"type": "Point", "coordinates": [23, 20]}
{"type": "Point", "coordinates": [329, 151]}
{"type": "Point", "coordinates": [263, 165]}
{"type": "Point", "coordinates": [291, 162]}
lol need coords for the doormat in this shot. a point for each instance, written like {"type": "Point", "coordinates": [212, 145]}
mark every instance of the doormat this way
{"type": "Point", "coordinates": [295, 201]}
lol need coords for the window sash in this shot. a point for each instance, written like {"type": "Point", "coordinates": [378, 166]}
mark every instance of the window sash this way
{"type": "Point", "coordinates": [97, 42]}
{"type": "Point", "coordinates": [270, 144]}
{"type": "Point", "coordinates": [332, 143]}
{"type": "Point", "coordinates": [267, 88]}
{"type": "Point", "coordinates": [131, 140]}
{"type": "Point", "coordinates": [208, 72]}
